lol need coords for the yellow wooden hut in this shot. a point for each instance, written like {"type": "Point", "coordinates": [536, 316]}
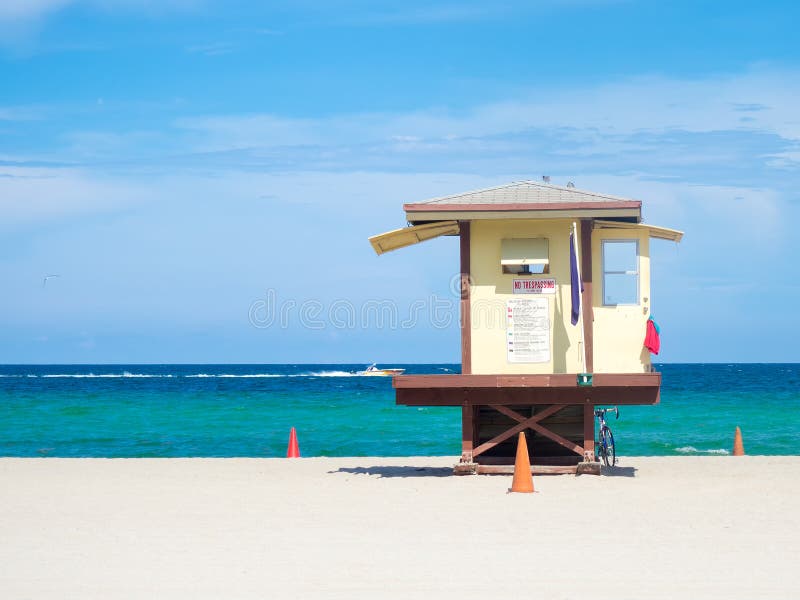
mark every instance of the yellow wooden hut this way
{"type": "Point", "coordinates": [533, 357]}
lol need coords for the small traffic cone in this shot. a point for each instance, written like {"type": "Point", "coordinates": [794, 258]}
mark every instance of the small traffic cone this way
{"type": "Point", "coordinates": [523, 480]}
{"type": "Point", "coordinates": [738, 446]}
{"type": "Point", "coordinates": [293, 451]}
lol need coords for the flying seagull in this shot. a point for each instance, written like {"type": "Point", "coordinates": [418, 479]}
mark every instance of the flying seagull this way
{"type": "Point", "coordinates": [46, 277]}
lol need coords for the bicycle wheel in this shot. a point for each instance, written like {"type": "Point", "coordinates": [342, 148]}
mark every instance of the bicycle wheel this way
{"type": "Point", "coordinates": [609, 451]}
{"type": "Point", "coordinates": [600, 450]}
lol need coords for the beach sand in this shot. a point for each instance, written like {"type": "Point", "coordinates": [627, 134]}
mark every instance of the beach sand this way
{"type": "Point", "coordinates": [710, 527]}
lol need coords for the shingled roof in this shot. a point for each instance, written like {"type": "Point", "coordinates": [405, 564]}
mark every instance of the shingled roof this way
{"type": "Point", "coordinates": [524, 195]}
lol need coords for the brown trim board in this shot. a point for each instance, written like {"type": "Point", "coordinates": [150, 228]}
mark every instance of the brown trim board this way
{"type": "Point", "coordinates": [522, 206]}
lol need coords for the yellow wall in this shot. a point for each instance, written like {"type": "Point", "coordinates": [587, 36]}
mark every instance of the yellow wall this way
{"type": "Point", "coordinates": [491, 288]}
{"type": "Point", "coordinates": [619, 331]}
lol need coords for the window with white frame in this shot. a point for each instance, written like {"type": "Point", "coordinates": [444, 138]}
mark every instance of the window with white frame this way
{"type": "Point", "coordinates": [620, 272]}
{"type": "Point", "coordinates": [525, 256]}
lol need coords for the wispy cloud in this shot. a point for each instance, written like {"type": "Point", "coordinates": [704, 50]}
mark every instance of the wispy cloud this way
{"type": "Point", "coordinates": [212, 49]}
{"type": "Point", "coordinates": [392, 13]}
{"type": "Point", "coordinates": [646, 104]}
{"type": "Point", "coordinates": [684, 129]}
{"type": "Point", "coordinates": [690, 129]}
{"type": "Point", "coordinates": [408, 15]}
{"type": "Point", "coordinates": [684, 137]}
{"type": "Point", "coordinates": [24, 10]}
{"type": "Point", "coordinates": [19, 113]}
{"type": "Point", "coordinates": [33, 10]}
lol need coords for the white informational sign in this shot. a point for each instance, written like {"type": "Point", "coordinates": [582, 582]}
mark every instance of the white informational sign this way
{"type": "Point", "coordinates": [528, 335]}
{"type": "Point", "coordinates": [534, 286]}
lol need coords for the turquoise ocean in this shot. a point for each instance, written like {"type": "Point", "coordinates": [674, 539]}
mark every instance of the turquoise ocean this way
{"type": "Point", "coordinates": [248, 410]}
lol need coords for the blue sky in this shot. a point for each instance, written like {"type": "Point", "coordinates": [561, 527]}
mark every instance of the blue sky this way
{"type": "Point", "coordinates": [174, 161]}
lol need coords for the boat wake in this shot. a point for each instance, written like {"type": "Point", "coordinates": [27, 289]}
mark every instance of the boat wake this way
{"type": "Point", "coordinates": [268, 375]}
{"type": "Point", "coordinates": [124, 374]}
{"type": "Point", "coordinates": [127, 374]}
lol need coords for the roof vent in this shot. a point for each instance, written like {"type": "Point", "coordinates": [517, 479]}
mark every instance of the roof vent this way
{"type": "Point", "coordinates": [570, 184]}
{"type": "Point", "coordinates": [546, 178]}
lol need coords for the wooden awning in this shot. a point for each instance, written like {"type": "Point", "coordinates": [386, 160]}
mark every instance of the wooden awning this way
{"type": "Point", "coordinates": [408, 236]}
{"type": "Point", "coordinates": [662, 233]}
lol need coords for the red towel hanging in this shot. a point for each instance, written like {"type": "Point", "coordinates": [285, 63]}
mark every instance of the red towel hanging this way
{"type": "Point", "coordinates": [651, 339]}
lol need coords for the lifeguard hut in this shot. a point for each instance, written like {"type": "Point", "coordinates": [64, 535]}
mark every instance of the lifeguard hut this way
{"type": "Point", "coordinates": [555, 299]}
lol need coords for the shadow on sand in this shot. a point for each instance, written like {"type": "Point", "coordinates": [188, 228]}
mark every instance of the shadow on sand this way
{"type": "Point", "coordinates": [410, 471]}
{"type": "Point", "coordinates": [618, 471]}
{"type": "Point", "coordinates": [397, 471]}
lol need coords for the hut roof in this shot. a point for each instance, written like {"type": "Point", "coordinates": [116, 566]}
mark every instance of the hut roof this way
{"type": "Point", "coordinates": [524, 196]}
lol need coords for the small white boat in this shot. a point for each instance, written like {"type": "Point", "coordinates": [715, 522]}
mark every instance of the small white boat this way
{"type": "Point", "coordinates": [374, 371]}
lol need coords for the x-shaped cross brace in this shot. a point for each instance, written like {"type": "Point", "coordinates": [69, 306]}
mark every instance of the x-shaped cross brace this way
{"type": "Point", "coordinates": [528, 423]}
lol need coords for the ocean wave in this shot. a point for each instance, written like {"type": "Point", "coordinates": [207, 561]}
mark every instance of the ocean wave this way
{"type": "Point", "coordinates": [328, 374]}
{"type": "Point", "coordinates": [693, 450]}
{"type": "Point", "coordinates": [124, 374]}
{"type": "Point", "coordinates": [267, 375]}
{"type": "Point", "coordinates": [127, 374]}
{"type": "Point", "coordinates": [247, 375]}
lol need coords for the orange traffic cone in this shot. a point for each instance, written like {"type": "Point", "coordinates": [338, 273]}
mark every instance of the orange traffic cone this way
{"type": "Point", "coordinates": [293, 451]}
{"type": "Point", "coordinates": [523, 480]}
{"type": "Point", "coordinates": [738, 446]}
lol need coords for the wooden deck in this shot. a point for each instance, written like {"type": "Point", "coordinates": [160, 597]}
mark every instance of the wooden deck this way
{"type": "Point", "coordinates": [554, 409]}
{"type": "Point", "coordinates": [456, 390]}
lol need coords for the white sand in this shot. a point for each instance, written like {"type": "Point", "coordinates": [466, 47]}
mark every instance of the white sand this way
{"type": "Point", "coordinates": [716, 527]}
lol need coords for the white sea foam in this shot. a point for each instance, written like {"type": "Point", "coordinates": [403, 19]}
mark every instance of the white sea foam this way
{"type": "Point", "coordinates": [693, 450]}
{"type": "Point", "coordinates": [328, 374]}
{"type": "Point", "coordinates": [267, 375]}
{"type": "Point", "coordinates": [127, 374]}
{"type": "Point", "coordinates": [232, 376]}
{"type": "Point", "coordinates": [251, 375]}
{"type": "Point", "coordinates": [124, 374]}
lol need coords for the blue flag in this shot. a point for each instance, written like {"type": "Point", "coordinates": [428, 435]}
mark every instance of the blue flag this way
{"type": "Point", "coordinates": [575, 284]}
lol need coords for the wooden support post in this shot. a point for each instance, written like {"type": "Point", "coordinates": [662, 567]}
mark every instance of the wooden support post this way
{"type": "Point", "coordinates": [467, 432]}
{"type": "Point", "coordinates": [589, 466]}
{"type": "Point", "coordinates": [466, 466]}
{"type": "Point", "coordinates": [466, 316]}
{"type": "Point", "coordinates": [588, 432]}
{"type": "Point", "coordinates": [586, 296]}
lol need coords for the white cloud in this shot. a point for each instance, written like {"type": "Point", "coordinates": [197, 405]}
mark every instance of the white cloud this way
{"type": "Point", "coordinates": [34, 10]}
{"type": "Point", "coordinates": [760, 100]}
{"type": "Point", "coordinates": [193, 250]}
{"type": "Point", "coordinates": [212, 49]}
{"type": "Point", "coordinates": [23, 10]}
{"type": "Point", "coordinates": [19, 113]}
{"type": "Point", "coordinates": [653, 138]}
{"type": "Point", "coordinates": [32, 196]}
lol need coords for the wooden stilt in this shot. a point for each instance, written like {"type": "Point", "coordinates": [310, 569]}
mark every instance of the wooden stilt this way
{"type": "Point", "coordinates": [589, 466]}
{"type": "Point", "coordinates": [466, 465]}
{"type": "Point", "coordinates": [588, 432]}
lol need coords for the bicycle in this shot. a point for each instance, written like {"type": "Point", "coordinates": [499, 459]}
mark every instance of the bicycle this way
{"type": "Point", "coordinates": [605, 447]}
